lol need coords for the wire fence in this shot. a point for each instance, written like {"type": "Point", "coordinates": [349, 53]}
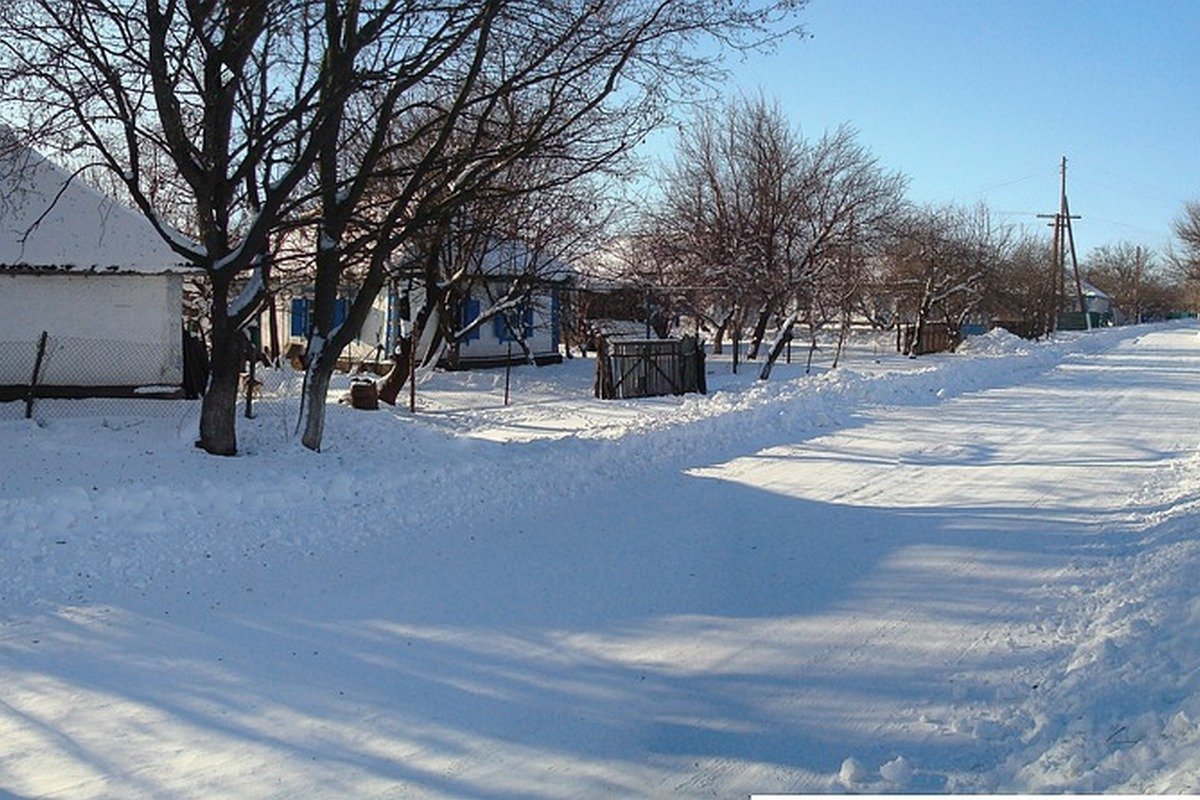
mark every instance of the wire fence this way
{"type": "Point", "coordinates": [52, 376]}
{"type": "Point", "coordinates": [70, 365]}
{"type": "Point", "coordinates": [116, 384]}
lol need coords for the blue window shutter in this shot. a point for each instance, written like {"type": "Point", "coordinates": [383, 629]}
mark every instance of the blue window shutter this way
{"type": "Point", "coordinates": [527, 321]}
{"type": "Point", "coordinates": [500, 327]}
{"type": "Point", "coordinates": [555, 320]}
{"type": "Point", "coordinates": [300, 317]}
{"type": "Point", "coordinates": [471, 308]}
{"type": "Point", "coordinates": [341, 310]}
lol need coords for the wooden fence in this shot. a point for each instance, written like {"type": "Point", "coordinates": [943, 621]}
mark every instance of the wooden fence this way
{"type": "Point", "coordinates": [936, 337]}
{"type": "Point", "coordinates": [627, 368]}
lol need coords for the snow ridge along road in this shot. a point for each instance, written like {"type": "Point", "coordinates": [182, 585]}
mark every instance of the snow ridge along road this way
{"type": "Point", "coordinates": [970, 572]}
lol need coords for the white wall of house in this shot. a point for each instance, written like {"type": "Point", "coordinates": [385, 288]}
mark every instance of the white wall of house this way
{"type": "Point", "coordinates": [104, 329]}
{"type": "Point", "coordinates": [491, 340]}
{"type": "Point", "coordinates": [487, 343]}
{"type": "Point", "coordinates": [372, 336]}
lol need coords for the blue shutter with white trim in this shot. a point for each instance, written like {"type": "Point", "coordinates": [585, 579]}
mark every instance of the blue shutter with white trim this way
{"type": "Point", "coordinates": [300, 317]}
{"type": "Point", "coordinates": [470, 312]}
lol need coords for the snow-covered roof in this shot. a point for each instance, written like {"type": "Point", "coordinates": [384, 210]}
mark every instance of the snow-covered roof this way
{"type": "Point", "coordinates": [51, 221]}
{"type": "Point", "coordinates": [1091, 290]}
{"type": "Point", "coordinates": [511, 258]}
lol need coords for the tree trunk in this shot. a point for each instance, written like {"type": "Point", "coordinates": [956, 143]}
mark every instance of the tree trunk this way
{"type": "Point", "coordinates": [781, 343]}
{"type": "Point", "coordinates": [914, 349]}
{"type": "Point", "coordinates": [760, 329]}
{"type": "Point", "coordinates": [719, 339]}
{"type": "Point", "coordinates": [923, 311]}
{"type": "Point", "coordinates": [841, 343]}
{"type": "Point", "coordinates": [218, 410]}
{"type": "Point", "coordinates": [316, 390]}
{"type": "Point", "coordinates": [393, 382]}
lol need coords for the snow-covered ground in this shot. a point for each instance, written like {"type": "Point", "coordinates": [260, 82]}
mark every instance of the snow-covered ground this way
{"type": "Point", "coordinates": [969, 572]}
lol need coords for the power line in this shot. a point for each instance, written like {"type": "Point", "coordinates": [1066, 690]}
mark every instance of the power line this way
{"type": "Point", "coordinates": [1130, 225]}
{"type": "Point", "coordinates": [1013, 182]}
{"type": "Point", "coordinates": [1147, 189]}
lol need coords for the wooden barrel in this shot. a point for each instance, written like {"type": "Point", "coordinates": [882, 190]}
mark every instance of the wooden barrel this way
{"type": "Point", "coordinates": [364, 394]}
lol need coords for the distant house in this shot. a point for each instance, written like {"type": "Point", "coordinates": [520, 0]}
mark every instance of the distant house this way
{"type": "Point", "coordinates": [537, 322]}
{"type": "Point", "coordinates": [90, 273]}
{"type": "Point", "coordinates": [1099, 303]}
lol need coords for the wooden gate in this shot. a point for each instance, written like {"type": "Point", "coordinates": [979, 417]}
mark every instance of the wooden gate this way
{"type": "Point", "coordinates": [627, 368]}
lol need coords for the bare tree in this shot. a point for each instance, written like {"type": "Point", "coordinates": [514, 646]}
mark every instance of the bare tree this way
{"type": "Point", "coordinates": [728, 203]}
{"type": "Point", "coordinates": [1124, 271]}
{"type": "Point", "coordinates": [848, 211]}
{"type": "Point", "coordinates": [499, 247]}
{"type": "Point", "coordinates": [570, 87]}
{"type": "Point", "coordinates": [214, 106]}
{"type": "Point", "coordinates": [943, 263]}
{"type": "Point", "coordinates": [1187, 228]}
{"type": "Point", "coordinates": [765, 220]}
{"type": "Point", "coordinates": [1019, 289]}
{"type": "Point", "coordinates": [1186, 262]}
{"type": "Point", "coordinates": [239, 102]}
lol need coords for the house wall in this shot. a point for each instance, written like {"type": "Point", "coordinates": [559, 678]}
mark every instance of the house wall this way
{"type": "Point", "coordinates": [293, 329]}
{"type": "Point", "coordinates": [488, 342]}
{"type": "Point", "coordinates": [104, 330]}
{"type": "Point", "coordinates": [486, 345]}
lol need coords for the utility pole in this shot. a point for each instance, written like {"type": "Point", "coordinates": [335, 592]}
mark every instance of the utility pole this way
{"type": "Point", "coordinates": [1063, 234]}
{"type": "Point", "coordinates": [1137, 286]}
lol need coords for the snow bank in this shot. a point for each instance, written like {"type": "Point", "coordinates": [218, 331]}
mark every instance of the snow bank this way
{"type": "Point", "coordinates": [119, 537]}
{"type": "Point", "coordinates": [1125, 715]}
{"type": "Point", "coordinates": [77, 492]}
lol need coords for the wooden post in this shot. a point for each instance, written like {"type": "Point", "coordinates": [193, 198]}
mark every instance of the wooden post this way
{"type": "Point", "coordinates": [412, 371]}
{"type": "Point", "coordinates": [737, 346]}
{"type": "Point", "coordinates": [250, 390]}
{"type": "Point", "coordinates": [252, 334]}
{"type": "Point", "coordinates": [507, 372]}
{"type": "Point", "coordinates": [1137, 286]}
{"type": "Point", "coordinates": [273, 323]}
{"type": "Point", "coordinates": [37, 371]}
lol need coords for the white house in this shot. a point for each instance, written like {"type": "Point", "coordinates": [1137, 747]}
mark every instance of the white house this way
{"type": "Point", "coordinates": [90, 273]}
{"type": "Point", "coordinates": [538, 321]}
{"type": "Point", "coordinates": [1098, 302]}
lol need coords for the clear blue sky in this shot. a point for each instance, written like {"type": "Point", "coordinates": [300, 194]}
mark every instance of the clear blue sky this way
{"type": "Point", "coordinates": [979, 100]}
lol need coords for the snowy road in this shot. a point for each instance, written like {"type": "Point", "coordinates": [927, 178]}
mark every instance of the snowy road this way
{"type": "Point", "coordinates": [983, 584]}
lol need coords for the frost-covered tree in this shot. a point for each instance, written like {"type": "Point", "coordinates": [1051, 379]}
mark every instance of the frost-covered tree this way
{"type": "Point", "coordinates": [266, 115]}
{"type": "Point", "coordinates": [565, 87]}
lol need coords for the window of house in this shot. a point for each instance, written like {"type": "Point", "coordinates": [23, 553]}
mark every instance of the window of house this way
{"type": "Point", "coordinates": [514, 323]}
